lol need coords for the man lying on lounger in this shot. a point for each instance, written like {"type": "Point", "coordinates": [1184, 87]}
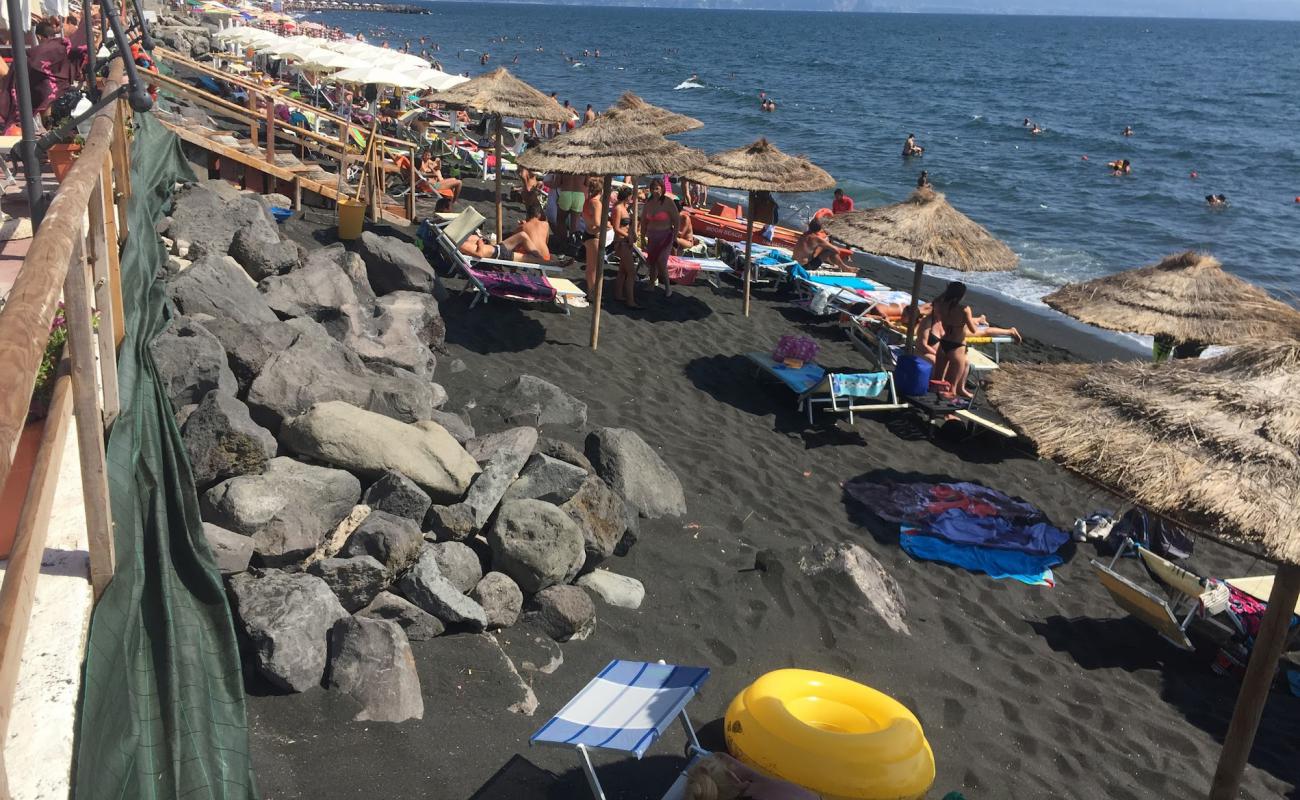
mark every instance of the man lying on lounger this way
{"type": "Point", "coordinates": [476, 246]}
{"type": "Point", "coordinates": [814, 250]}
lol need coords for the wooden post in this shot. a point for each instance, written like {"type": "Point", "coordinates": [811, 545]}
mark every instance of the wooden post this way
{"type": "Point", "coordinates": [410, 182]}
{"type": "Point", "coordinates": [270, 136]}
{"type": "Point", "coordinates": [1269, 644]}
{"type": "Point", "coordinates": [109, 215]}
{"type": "Point", "coordinates": [252, 111]}
{"type": "Point", "coordinates": [121, 173]}
{"type": "Point", "coordinates": [916, 308]}
{"type": "Point", "coordinates": [749, 248]}
{"type": "Point", "coordinates": [599, 286]}
{"type": "Point", "coordinates": [97, 255]}
{"type": "Point", "coordinates": [496, 146]}
{"type": "Point", "coordinates": [297, 192]}
{"type": "Point", "coordinates": [90, 424]}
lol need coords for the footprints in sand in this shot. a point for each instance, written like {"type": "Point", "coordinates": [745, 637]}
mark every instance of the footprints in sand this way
{"type": "Point", "coordinates": [953, 713]}
{"type": "Point", "coordinates": [725, 655]}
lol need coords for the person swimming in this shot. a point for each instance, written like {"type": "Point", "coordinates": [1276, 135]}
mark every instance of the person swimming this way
{"type": "Point", "coordinates": [923, 180]}
{"type": "Point", "coordinates": [1216, 199]}
{"type": "Point", "coordinates": [1035, 130]}
{"type": "Point", "coordinates": [1128, 130]}
{"type": "Point", "coordinates": [1120, 167]}
{"type": "Point", "coordinates": [911, 148]}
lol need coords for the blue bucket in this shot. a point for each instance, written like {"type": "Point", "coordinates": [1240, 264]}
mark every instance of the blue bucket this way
{"type": "Point", "coordinates": [912, 376]}
{"type": "Point", "coordinates": [281, 214]}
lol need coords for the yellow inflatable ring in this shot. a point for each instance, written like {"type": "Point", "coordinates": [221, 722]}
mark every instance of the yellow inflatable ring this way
{"type": "Point", "coordinates": [840, 739]}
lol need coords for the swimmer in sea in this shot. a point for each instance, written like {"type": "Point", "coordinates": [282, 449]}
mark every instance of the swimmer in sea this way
{"type": "Point", "coordinates": [1120, 167]}
{"type": "Point", "coordinates": [1216, 199]}
{"type": "Point", "coordinates": [1035, 130]}
{"type": "Point", "coordinates": [911, 148]}
{"type": "Point", "coordinates": [1028, 123]}
{"type": "Point", "coordinates": [923, 180]}
{"type": "Point", "coordinates": [1128, 130]}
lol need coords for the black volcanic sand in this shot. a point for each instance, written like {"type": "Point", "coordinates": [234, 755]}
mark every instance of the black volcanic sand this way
{"type": "Point", "coordinates": [1024, 692]}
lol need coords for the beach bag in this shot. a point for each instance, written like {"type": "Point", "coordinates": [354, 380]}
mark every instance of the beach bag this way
{"type": "Point", "coordinates": [1154, 533]}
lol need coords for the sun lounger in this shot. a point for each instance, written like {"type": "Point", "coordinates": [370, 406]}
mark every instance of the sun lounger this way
{"type": "Point", "coordinates": [843, 392]}
{"type": "Point", "coordinates": [627, 707]}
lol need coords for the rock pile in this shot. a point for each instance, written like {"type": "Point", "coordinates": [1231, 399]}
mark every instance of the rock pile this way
{"type": "Point", "coordinates": [349, 512]}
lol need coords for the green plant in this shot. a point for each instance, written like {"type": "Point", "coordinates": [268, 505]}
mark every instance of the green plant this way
{"type": "Point", "coordinates": [46, 372]}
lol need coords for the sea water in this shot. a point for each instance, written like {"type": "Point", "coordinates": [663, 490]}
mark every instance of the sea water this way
{"type": "Point", "coordinates": [1216, 98]}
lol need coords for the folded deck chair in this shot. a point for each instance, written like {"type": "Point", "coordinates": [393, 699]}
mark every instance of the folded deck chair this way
{"type": "Point", "coordinates": [843, 392]}
{"type": "Point", "coordinates": [627, 707]}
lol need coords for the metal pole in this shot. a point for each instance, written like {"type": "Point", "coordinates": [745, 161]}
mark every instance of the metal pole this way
{"type": "Point", "coordinates": [23, 88]}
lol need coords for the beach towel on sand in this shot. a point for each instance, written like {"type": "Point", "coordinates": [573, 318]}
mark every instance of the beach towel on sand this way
{"type": "Point", "coordinates": [1034, 570]}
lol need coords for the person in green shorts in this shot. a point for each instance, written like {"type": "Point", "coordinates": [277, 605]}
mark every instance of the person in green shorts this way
{"type": "Point", "coordinates": [571, 200]}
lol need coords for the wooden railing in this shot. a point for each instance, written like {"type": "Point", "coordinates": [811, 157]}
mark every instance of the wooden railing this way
{"type": "Point", "coordinates": [74, 252]}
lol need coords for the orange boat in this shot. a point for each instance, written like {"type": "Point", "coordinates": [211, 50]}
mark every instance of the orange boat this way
{"type": "Point", "coordinates": [725, 222]}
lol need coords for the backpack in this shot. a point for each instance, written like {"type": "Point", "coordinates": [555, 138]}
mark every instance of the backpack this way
{"type": "Point", "coordinates": [1154, 533]}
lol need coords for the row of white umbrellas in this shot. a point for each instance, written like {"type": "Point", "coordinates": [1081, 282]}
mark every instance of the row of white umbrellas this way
{"type": "Point", "coordinates": [350, 60]}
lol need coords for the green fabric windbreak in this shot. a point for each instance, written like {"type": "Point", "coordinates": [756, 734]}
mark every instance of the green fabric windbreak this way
{"type": "Point", "coordinates": [162, 710]}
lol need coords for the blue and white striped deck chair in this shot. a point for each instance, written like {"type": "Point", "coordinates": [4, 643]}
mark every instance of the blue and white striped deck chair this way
{"type": "Point", "coordinates": [627, 707]}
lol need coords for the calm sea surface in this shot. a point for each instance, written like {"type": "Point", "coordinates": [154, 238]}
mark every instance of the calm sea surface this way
{"type": "Point", "coordinates": [1221, 99]}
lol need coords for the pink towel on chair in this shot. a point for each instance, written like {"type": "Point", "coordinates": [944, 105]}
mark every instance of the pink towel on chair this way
{"type": "Point", "coordinates": [682, 270]}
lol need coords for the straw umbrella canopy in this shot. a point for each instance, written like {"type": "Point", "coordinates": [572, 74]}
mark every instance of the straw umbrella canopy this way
{"type": "Point", "coordinates": [614, 144]}
{"type": "Point", "coordinates": [660, 120]}
{"type": "Point", "coordinates": [1186, 298]}
{"type": "Point", "coordinates": [923, 229]}
{"type": "Point", "coordinates": [760, 167]}
{"type": "Point", "coordinates": [500, 94]}
{"type": "Point", "coordinates": [1212, 443]}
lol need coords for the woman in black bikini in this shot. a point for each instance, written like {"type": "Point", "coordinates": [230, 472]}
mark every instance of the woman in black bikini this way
{"type": "Point", "coordinates": [955, 316]}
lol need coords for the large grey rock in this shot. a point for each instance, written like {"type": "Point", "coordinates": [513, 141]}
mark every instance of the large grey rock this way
{"type": "Point", "coordinates": [453, 523]}
{"type": "Point", "coordinates": [403, 331]}
{"type": "Point", "coordinates": [395, 265]}
{"type": "Point", "coordinates": [371, 660]}
{"type": "Point", "coordinates": [420, 625]}
{"type": "Point", "coordinates": [536, 544]}
{"type": "Point", "coordinates": [262, 253]}
{"type": "Point", "coordinates": [209, 221]}
{"type": "Point", "coordinates": [355, 581]}
{"type": "Point", "coordinates": [563, 451]}
{"type": "Point", "coordinates": [323, 290]}
{"type": "Point", "coordinates": [548, 479]}
{"type": "Point", "coordinates": [216, 285]}
{"type": "Point", "coordinates": [316, 369]}
{"type": "Point", "coordinates": [289, 509]}
{"type": "Point", "coordinates": [857, 569]}
{"type": "Point", "coordinates": [393, 541]}
{"type": "Point", "coordinates": [249, 347]}
{"type": "Point", "coordinates": [500, 598]}
{"type": "Point", "coordinates": [231, 551]}
{"type": "Point", "coordinates": [287, 618]}
{"type": "Point", "coordinates": [222, 441]}
{"type": "Point", "coordinates": [191, 362]}
{"type": "Point", "coordinates": [458, 564]}
{"type": "Point", "coordinates": [426, 586]}
{"type": "Point", "coordinates": [634, 470]}
{"type": "Point", "coordinates": [530, 647]}
{"type": "Point", "coordinates": [398, 495]}
{"type": "Point", "coordinates": [614, 589]}
{"type": "Point", "coordinates": [501, 455]}
{"type": "Point", "coordinates": [602, 516]}
{"type": "Point", "coordinates": [455, 424]}
{"type": "Point", "coordinates": [565, 612]}
{"type": "Point", "coordinates": [533, 401]}
{"type": "Point", "coordinates": [371, 444]}
{"type": "Point", "coordinates": [418, 312]}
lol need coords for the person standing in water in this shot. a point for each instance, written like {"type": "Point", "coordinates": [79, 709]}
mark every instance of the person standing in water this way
{"type": "Point", "coordinates": [911, 148]}
{"type": "Point", "coordinates": [923, 180]}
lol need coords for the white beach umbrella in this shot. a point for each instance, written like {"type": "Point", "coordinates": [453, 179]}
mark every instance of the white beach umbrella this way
{"type": "Point", "coordinates": [327, 59]}
{"type": "Point", "coordinates": [382, 76]}
{"type": "Point", "coordinates": [434, 79]}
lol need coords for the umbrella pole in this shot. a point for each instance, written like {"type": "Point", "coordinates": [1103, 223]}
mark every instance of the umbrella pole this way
{"type": "Point", "coordinates": [496, 146]}
{"type": "Point", "coordinates": [598, 289]}
{"type": "Point", "coordinates": [749, 248]}
{"type": "Point", "coordinates": [1254, 687]}
{"type": "Point", "coordinates": [916, 308]}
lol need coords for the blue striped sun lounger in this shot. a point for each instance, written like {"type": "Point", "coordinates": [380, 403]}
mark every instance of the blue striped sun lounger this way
{"type": "Point", "coordinates": [627, 707]}
{"type": "Point", "coordinates": [842, 392]}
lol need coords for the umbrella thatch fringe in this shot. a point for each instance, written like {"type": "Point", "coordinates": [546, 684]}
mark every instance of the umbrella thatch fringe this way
{"type": "Point", "coordinates": [1213, 443]}
{"type": "Point", "coordinates": [498, 92]}
{"type": "Point", "coordinates": [762, 167]}
{"type": "Point", "coordinates": [614, 144]}
{"type": "Point", "coordinates": [659, 120]}
{"type": "Point", "coordinates": [925, 228]}
{"type": "Point", "coordinates": [1187, 296]}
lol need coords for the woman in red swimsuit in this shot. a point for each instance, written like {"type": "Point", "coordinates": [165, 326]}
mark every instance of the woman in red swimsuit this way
{"type": "Point", "coordinates": [659, 221]}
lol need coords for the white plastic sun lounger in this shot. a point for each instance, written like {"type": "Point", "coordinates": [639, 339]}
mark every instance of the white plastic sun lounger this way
{"type": "Point", "coordinates": [627, 707]}
{"type": "Point", "coordinates": [843, 393]}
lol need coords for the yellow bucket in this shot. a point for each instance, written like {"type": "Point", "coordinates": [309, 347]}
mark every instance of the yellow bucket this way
{"type": "Point", "coordinates": [352, 215]}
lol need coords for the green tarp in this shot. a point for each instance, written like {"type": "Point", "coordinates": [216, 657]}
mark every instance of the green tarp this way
{"type": "Point", "coordinates": [162, 712]}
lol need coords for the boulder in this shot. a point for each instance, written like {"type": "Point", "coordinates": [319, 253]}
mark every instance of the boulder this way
{"type": "Point", "coordinates": [458, 564]}
{"type": "Point", "coordinates": [393, 541]}
{"type": "Point", "coordinates": [191, 362]}
{"type": "Point", "coordinates": [548, 479]}
{"type": "Point", "coordinates": [426, 586]}
{"type": "Point", "coordinates": [454, 523]}
{"type": "Point", "coordinates": [249, 347]}
{"type": "Point", "coordinates": [371, 661]}
{"type": "Point", "coordinates": [324, 291]}
{"type": "Point", "coordinates": [455, 424]}
{"type": "Point", "coordinates": [636, 472]}
{"type": "Point", "coordinates": [216, 285]}
{"type": "Point", "coordinates": [565, 612]}
{"type": "Point", "coordinates": [231, 551]}
{"type": "Point", "coordinates": [396, 494]}
{"type": "Point", "coordinates": [501, 456]}
{"type": "Point", "coordinates": [316, 369]}
{"type": "Point", "coordinates": [859, 572]}
{"type": "Point", "coordinates": [533, 401]}
{"type": "Point", "coordinates": [355, 581]}
{"type": "Point", "coordinates": [417, 311]}
{"type": "Point", "coordinates": [289, 509]}
{"type": "Point", "coordinates": [370, 444]}
{"type": "Point", "coordinates": [395, 265]}
{"type": "Point", "coordinates": [614, 589]}
{"type": "Point", "coordinates": [209, 221]}
{"type": "Point", "coordinates": [602, 515]}
{"type": "Point", "coordinates": [420, 625]}
{"type": "Point", "coordinates": [536, 544]}
{"type": "Point", "coordinates": [563, 451]}
{"type": "Point", "coordinates": [492, 685]}
{"type": "Point", "coordinates": [530, 647]}
{"type": "Point", "coordinates": [287, 618]}
{"type": "Point", "coordinates": [500, 598]}
{"type": "Point", "coordinates": [222, 441]}
{"type": "Point", "coordinates": [262, 253]}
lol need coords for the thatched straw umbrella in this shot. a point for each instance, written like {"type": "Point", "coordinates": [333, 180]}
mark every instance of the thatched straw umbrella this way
{"type": "Point", "coordinates": [1186, 298]}
{"type": "Point", "coordinates": [660, 120]}
{"type": "Point", "coordinates": [760, 167]}
{"type": "Point", "coordinates": [923, 229]}
{"type": "Point", "coordinates": [1212, 443]}
{"type": "Point", "coordinates": [500, 94]}
{"type": "Point", "coordinates": [614, 144]}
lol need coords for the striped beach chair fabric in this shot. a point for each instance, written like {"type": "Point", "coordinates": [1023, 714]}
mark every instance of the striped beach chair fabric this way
{"type": "Point", "coordinates": [627, 707]}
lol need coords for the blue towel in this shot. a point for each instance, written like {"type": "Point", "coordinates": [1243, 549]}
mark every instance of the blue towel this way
{"type": "Point", "coordinates": [864, 384]}
{"type": "Point", "coordinates": [1034, 570]}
